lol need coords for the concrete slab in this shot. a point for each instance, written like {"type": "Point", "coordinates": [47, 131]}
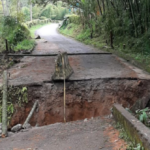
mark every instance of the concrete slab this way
{"type": "Point", "coordinates": [38, 70]}
{"type": "Point", "coordinates": [33, 70]}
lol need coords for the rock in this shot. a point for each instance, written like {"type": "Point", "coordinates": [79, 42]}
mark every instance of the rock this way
{"type": "Point", "coordinates": [16, 128]}
{"type": "Point", "coordinates": [108, 116]}
{"type": "Point", "coordinates": [37, 37]}
{"type": "Point", "coordinates": [141, 103]}
{"type": "Point", "coordinates": [111, 116]}
{"type": "Point", "coordinates": [10, 134]}
{"type": "Point", "coordinates": [27, 126]}
{"type": "Point", "coordinates": [89, 101]}
{"type": "Point", "coordinates": [85, 120]}
{"type": "Point", "coordinates": [37, 125]}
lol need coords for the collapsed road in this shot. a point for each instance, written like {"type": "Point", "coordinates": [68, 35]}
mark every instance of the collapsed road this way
{"type": "Point", "coordinates": [99, 80]}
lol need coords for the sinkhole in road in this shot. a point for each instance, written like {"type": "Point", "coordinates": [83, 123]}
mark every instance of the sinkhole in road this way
{"type": "Point", "coordinates": [84, 99]}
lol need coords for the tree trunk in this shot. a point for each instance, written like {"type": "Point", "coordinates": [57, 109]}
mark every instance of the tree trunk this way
{"type": "Point", "coordinates": [4, 105]}
{"type": "Point", "coordinates": [3, 6]}
{"type": "Point", "coordinates": [99, 7]}
{"type": "Point", "coordinates": [7, 8]}
{"type": "Point", "coordinates": [133, 17]}
{"type": "Point", "coordinates": [103, 6]}
{"type": "Point", "coordinates": [111, 39]}
{"type": "Point", "coordinates": [31, 113]}
{"type": "Point", "coordinates": [31, 12]}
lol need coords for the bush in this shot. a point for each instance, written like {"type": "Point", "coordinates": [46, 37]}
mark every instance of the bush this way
{"type": "Point", "coordinates": [54, 12]}
{"type": "Point", "coordinates": [36, 10]}
{"type": "Point", "coordinates": [25, 45]}
{"type": "Point", "coordinates": [29, 24]}
{"type": "Point", "coordinates": [14, 31]}
{"type": "Point", "coordinates": [2, 45]}
{"type": "Point", "coordinates": [42, 18]}
{"type": "Point", "coordinates": [19, 34]}
{"type": "Point", "coordinates": [26, 12]}
{"type": "Point", "coordinates": [74, 19]}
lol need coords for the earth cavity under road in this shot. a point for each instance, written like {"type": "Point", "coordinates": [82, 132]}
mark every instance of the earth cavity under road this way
{"type": "Point", "coordinates": [108, 72]}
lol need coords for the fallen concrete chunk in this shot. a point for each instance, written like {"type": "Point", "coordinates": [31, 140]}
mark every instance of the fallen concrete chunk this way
{"type": "Point", "coordinates": [27, 126]}
{"type": "Point", "coordinates": [85, 120]}
{"type": "Point", "coordinates": [62, 67]}
{"type": "Point", "coordinates": [16, 128]}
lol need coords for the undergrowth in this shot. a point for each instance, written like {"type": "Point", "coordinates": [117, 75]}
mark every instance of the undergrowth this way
{"type": "Point", "coordinates": [2, 45]}
{"type": "Point", "coordinates": [16, 96]}
{"type": "Point", "coordinates": [25, 45]}
{"type": "Point", "coordinates": [123, 135]}
{"type": "Point", "coordinates": [135, 50]}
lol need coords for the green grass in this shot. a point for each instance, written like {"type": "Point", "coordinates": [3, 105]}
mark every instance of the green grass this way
{"type": "Point", "coordinates": [34, 28]}
{"type": "Point", "coordinates": [27, 44]}
{"type": "Point", "coordinates": [71, 30]}
{"type": "Point", "coordinates": [132, 54]}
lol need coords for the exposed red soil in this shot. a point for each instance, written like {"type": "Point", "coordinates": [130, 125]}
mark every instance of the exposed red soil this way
{"type": "Point", "coordinates": [113, 134]}
{"type": "Point", "coordinates": [84, 99]}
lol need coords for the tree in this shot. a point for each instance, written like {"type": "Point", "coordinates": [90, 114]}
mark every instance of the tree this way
{"type": "Point", "coordinates": [6, 7]}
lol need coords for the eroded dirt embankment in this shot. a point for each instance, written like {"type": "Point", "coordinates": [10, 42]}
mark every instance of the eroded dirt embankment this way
{"type": "Point", "coordinates": [84, 99]}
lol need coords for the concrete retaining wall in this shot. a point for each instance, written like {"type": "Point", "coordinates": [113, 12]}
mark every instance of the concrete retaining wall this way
{"type": "Point", "coordinates": [136, 130]}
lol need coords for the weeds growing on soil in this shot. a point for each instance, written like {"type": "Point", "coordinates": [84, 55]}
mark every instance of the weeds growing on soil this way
{"type": "Point", "coordinates": [20, 97]}
{"type": "Point", "coordinates": [25, 45]}
{"type": "Point", "coordinates": [123, 135]}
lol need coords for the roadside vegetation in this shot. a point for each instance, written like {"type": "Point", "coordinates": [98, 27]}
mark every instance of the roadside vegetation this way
{"type": "Point", "coordinates": [20, 19]}
{"type": "Point", "coordinates": [34, 28]}
{"type": "Point", "coordinates": [143, 115]}
{"type": "Point", "coordinates": [120, 27]}
{"type": "Point", "coordinates": [123, 135]}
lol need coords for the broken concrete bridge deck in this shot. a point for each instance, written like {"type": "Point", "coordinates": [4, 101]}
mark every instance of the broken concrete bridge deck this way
{"type": "Point", "coordinates": [37, 70]}
{"type": "Point", "coordinates": [93, 66]}
{"type": "Point", "coordinates": [81, 135]}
